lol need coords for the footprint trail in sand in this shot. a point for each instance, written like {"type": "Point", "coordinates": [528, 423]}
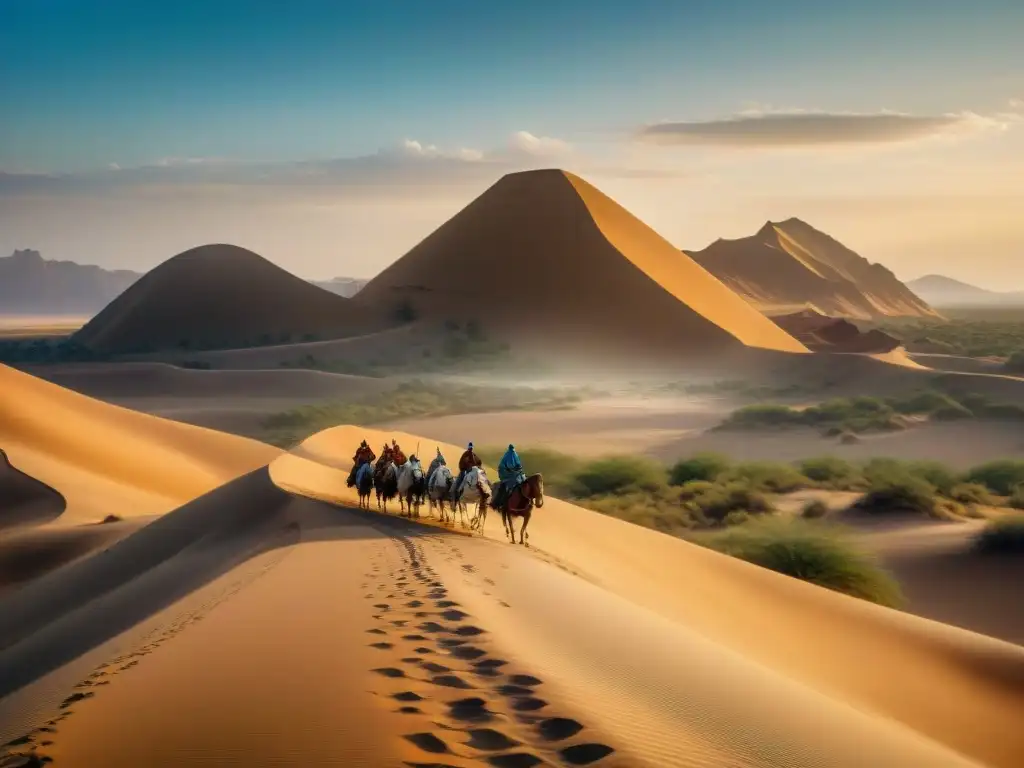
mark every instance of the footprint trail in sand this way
{"type": "Point", "coordinates": [483, 711]}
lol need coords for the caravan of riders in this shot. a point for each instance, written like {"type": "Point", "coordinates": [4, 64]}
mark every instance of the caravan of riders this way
{"type": "Point", "coordinates": [394, 474]}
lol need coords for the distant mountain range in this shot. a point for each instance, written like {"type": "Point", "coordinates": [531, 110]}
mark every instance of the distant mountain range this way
{"type": "Point", "coordinates": [941, 291]}
{"type": "Point", "coordinates": [31, 285]}
{"type": "Point", "coordinates": [790, 266]}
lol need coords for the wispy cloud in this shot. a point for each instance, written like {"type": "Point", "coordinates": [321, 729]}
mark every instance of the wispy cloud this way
{"type": "Point", "coordinates": [797, 128]}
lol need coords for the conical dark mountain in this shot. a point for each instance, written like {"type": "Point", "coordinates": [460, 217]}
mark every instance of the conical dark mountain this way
{"type": "Point", "coordinates": [217, 297]}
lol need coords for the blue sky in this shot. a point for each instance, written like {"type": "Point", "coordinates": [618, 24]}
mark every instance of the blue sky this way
{"type": "Point", "coordinates": [355, 128]}
{"type": "Point", "coordinates": [94, 82]}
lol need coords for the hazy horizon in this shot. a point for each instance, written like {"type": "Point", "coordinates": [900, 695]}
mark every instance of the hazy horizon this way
{"type": "Point", "coordinates": [332, 138]}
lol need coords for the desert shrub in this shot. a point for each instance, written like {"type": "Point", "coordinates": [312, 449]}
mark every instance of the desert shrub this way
{"type": "Point", "coordinates": [925, 403]}
{"type": "Point", "coordinates": [1016, 500]}
{"type": "Point", "coordinates": [694, 488]}
{"type": "Point", "coordinates": [1002, 412]}
{"type": "Point", "coordinates": [700, 466]}
{"type": "Point", "coordinates": [718, 501]}
{"type": "Point", "coordinates": [657, 510]}
{"type": "Point", "coordinates": [110, 519]}
{"type": "Point", "coordinates": [952, 412]}
{"type": "Point", "coordinates": [971, 493]}
{"type": "Point", "coordinates": [616, 475]}
{"type": "Point", "coordinates": [1015, 362]}
{"type": "Point", "coordinates": [814, 509]}
{"type": "Point", "coordinates": [1004, 535]}
{"type": "Point", "coordinates": [811, 553]}
{"type": "Point", "coordinates": [766, 476]}
{"type": "Point", "coordinates": [738, 517]}
{"type": "Point", "coordinates": [829, 470]}
{"type": "Point", "coordinates": [896, 494]}
{"type": "Point", "coordinates": [936, 474]}
{"type": "Point", "coordinates": [757, 416]}
{"type": "Point", "coordinates": [1000, 477]}
{"type": "Point", "coordinates": [848, 438]}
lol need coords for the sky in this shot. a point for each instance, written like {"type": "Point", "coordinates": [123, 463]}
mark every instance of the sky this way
{"type": "Point", "coordinates": [332, 136]}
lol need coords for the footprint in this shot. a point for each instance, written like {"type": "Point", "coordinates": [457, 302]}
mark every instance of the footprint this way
{"type": "Point", "coordinates": [436, 668]}
{"type": "Point", "coordinates": [382, 606]}
{"type": "Point", "coordinates": [490, 663]}
{"type": "Point", "coordinates": [428, 742]}
{"type": "Point", "coordinates": [490, 740]}
{"type": "Point", "coordinates": [528, 704]}
{"type": "Point", "coordinates": [389, 672]}
{"type": "Point", "coordinates": [414, 638]}
{"type": "Point", "coordinates": [382, 646]}
{"type": "Point", "coordinates": [468, 652]}
{"type": "Point", "coordinates": [450, 681]}
{"type": "Point", "coordinates": [406, 696]}
{"type": "Point", "coordinates": [449, 643]}
{"type": "Point", "coordinates": [558, 728]}
{"type": "Point", "coordinates": [473, 710]}
{"type": "Point", "coordinates": [432, 626]}
{"type": "Point", "coordinates": [376, 632]}
{"type": "Point", "coordinates": [423, 650]}
{"type": "Point", "coordinates": [454, 614]}
{"type": "Point", "coordinates": [515, 760]}
{"type": "Point", "coordinates": [408, 710]}
{"type": "Point", "coordinates": [469, 631]}
{"type": "Point", "coordinates": [410, 660]}
{"type": "Point", "coordinates": [585, 754]}
{"type": "Point", "coordinates": [514, 690]}
{"type": "Point", "coordinates": [399, 622]}
{"type": "Point", "coordinates": [446, 604]}
{"type": "Point", "coordinates": [75, 697]}
{"type": "Point", "coordinates": [524, 680]}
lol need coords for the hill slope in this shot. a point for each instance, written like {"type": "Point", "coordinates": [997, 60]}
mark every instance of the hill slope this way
{"type": "Point", "coordinates": [543, 256]}
{"type": "Point", "coordinates": [217, 297]}
{"type": "Point", "coordinates": [30, 284]}
{"type": "Point", "coordinates": [942, 291]}
{"type": "Point", "coordinates": [343, 286]}
{"type": "Point", "coordinates": [790, 265]}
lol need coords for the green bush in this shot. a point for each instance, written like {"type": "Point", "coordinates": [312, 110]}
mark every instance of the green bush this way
{"type": "Point", "coordinates": [1000, 477]}
{"type": "Point", "coordinates": [1004, 535]}
{"type": "Point", "coordinates": [1015, 363]}
{"type": "Point", "coordinates": [811, 553]}
{"type": "Point", "coordinates": [1016, 500]}
{"type": "Point", "coordinates": [756, 416]}
{"type": "Point", "coordinates": [814, 509]}
{"type": "Point", "coordinates": [769, 476]}
{"type": "Point", "coordinates": [927, 402]}
{"type": "Point", "coordinates": [719, 501]}
{"type": "Point", "coordinates": [1002, 412]}
{"type": "Point", "coordinates": [899, 494]}
{"type": "Point", "coordinates": [972, 493]}
{"type": "Point", "coordinates": [938, 475]}
{"type": "Point", "coordinates": [616, 475]}
{"type": "Point", "coordinates": [829, 470]}
{"type": "Point", "coordinates": [700, 466]}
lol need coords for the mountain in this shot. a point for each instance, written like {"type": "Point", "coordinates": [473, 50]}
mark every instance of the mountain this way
{"type": "Point", "coordinates": [30, 284]}
{"type": "Point", "coordinates": [790, 265]}
{"type": "Point", "coordinates": [543, 256]}
{"type": "Point", "coordinates": [942, 291]}
{"type": "Point", "coordinates": [217, 297]}
{"type": "Point", "coordinates": [343, 286]}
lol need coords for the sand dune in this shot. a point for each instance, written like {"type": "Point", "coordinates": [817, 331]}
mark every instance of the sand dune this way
{"type": "Point", "coordinates": [115, 381]}
{"type": "Point", "coordinates": [789, 265]}
{"type": "Point", "coordinates": [549, 241]}
{"type": "Point", "coordinates": [23, 499]}
{"type": "Point", "coordinates": [255, 624]}
{"type": "Point", "coordinates": [108, 460]}
{"type": "Point", "coordinates": [217, 296]}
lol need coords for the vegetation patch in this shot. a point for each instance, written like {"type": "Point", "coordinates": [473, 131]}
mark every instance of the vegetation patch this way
{"type": "Point", "coordinates": [407, 400]}
{"type": "Point", "coordinates": [972, 334]}
{"type": "Point", "coordinates": [1002, 536]}
{"type": "Point", "coordinates": [809, 552]}
{"type": "Point", "coordinates": [1001, 477]}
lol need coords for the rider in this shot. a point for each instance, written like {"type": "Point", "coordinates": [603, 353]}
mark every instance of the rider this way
{"type": "Point", "coordinates": [510, 476]}
{"type": "Point", "coordinates": [467, 461]}
{"type": "Point", "coordinates": [437, 462]}
{"type": "Point", "coordinates": [396, 454]}
{"type": "Point", "coordinates": [386, 455]}
{"type": "Point", "coordinates": [364, 455]}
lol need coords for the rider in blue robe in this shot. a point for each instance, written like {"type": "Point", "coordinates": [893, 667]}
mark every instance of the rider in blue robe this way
{"type": "Point", "coordinates": [510, 476]}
